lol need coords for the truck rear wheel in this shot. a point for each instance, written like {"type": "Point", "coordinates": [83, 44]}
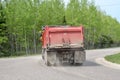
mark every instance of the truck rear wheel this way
{"type": "Point", "coordinates": [45, 58]}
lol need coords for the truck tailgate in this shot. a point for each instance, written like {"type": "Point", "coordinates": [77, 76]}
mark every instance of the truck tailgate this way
{"type": "Point", "coordinates": [59, 37]}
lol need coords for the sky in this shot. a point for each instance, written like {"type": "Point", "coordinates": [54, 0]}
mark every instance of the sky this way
{"type": "Point", "coordinates": [111, 7]}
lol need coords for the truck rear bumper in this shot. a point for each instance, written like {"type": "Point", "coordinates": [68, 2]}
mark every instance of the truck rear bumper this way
{"type": "Point", "coordinates": [67, 49]}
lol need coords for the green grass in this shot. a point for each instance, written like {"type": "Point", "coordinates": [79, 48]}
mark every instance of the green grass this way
{"type": "Point", "coordinates": [113, 58]}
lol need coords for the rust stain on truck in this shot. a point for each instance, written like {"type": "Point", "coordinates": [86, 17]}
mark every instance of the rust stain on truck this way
{"type": "Point", "coordinates": [62, 44]}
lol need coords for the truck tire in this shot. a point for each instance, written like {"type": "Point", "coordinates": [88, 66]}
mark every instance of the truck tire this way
{"type": "Point", "coordinates": [42, 53]}
{"type": "Point", "coordinates": [46, 58]}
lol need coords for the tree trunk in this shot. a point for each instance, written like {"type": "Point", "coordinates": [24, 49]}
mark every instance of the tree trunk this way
{"type": "Point", "coordinates": [34, 32]}
{"type": "Point", "coordinates": [26, 47]}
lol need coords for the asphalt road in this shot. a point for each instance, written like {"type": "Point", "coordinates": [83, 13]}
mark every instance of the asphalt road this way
{"type": "Point", "coordinates": [33, 68]}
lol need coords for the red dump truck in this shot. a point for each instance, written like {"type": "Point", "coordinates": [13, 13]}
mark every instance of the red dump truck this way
{"type": "Point", "coordinates": [63, 44]}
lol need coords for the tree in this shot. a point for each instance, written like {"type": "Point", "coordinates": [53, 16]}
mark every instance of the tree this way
{"type": "Point", "coordinates": [3, 33]}
{"type": "Point", "coordinates": [21, 20]}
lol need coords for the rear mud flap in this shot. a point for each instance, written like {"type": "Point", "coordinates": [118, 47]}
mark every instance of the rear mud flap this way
{"type": "Point", "coordinates": [79, 57]}
{"type": "Point", "coordinates": [51, 56]}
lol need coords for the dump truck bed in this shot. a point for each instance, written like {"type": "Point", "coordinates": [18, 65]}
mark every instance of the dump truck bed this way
{"type": "Point", "coordinates": [59, 37]}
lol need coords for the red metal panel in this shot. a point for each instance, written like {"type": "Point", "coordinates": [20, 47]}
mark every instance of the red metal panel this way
{"type": "Point", "coordinates": [61, 35]}
{"type": "Point", "coordinates": [45, 37]}
{"type": "Point", "coordinates": [68, 29]}
{"type": "Point", "coordinates": [68, 37]}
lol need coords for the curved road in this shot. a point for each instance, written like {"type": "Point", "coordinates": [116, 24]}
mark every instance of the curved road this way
{"type": "Point", "coordinates": [33, 68]}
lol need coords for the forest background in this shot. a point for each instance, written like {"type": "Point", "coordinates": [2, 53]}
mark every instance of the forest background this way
{"type": "Point", "coordinates": [21, 21]}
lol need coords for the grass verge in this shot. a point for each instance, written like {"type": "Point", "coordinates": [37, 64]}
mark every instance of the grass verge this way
{"type": "Point", "coordinates": [113, 58]}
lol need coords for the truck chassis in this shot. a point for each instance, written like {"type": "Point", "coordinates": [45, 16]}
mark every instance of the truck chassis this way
{"type": "Point", "coordinates": [54, 56]}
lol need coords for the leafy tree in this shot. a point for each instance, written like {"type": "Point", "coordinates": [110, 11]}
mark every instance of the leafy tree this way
{"type": "Point", "coordinates": [3, 33]}
{"type": "Point", "coordinates": [21, 20]}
